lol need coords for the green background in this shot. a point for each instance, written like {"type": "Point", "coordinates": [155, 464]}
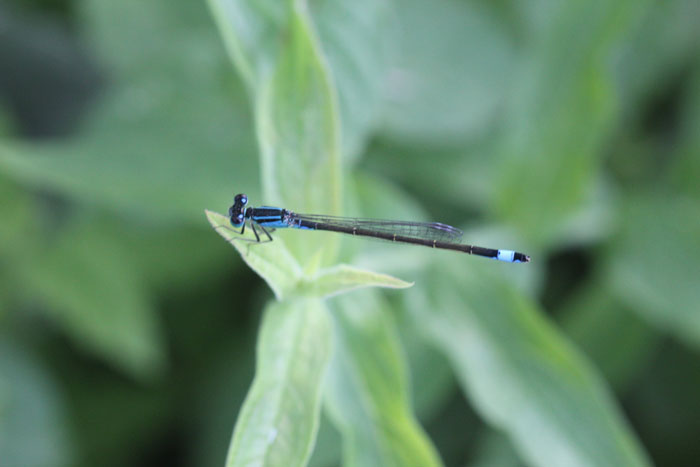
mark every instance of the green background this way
{"type": "Point", "coordinates": [131, 333]}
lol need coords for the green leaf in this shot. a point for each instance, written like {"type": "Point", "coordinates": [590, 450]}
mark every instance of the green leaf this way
{"type": "Point", "coordinates": [183, 258]}
{"type": "Point", "coordinates": [367, 396]}
{"type": "Point", "coordinates": [270, 260]}
{"type": "Point", "coordinates": [613, 337]}
{"type": "Point", "coordinates": [170, 96]}
{"type": "Point", "coordinates": [277, 52]}
{"type": "Point", "coordinates": [495, 450]}
{"type": "Point", "coordinates": [685, 170]}
{"type": "Point", "coordinates": [343, 278]}
{"type": "Point", "coordinates": [521, 375]}
{"type": "Point", "coordinates": [297, 122]}
{"type": "Point", "coordinates": [664, 41]}
{"type": "Point", "coordinates": [357, 39]}
{"type": "Point", "coordinates": [279, 419]}
{"type": "Point", "coordinates": [653, 262]}
{"type": "Point", "coordinates": [328, 447]}
{"type": "Point", "coordinates": [295, 105]}
{"type": "Point", "coordinates": [8, 125]}
{"type": "Point", "coordinates": [355, 35]}
{"type": "Point", "coordinates": [19, 222]}
{"type": "Point", "coordinates": [561, 112]}
{"type": "Point", "coordinates": [433, 382]}
{"type": "Point", "coordinates": [252, 32]}
{"type": "Point", "coordinates": [33, 425]}
{"type": "Point", "coordinates": [90, 287]}
{"type": "Point", "coordinates": [461, 176]}
{"type": "Point", "coordinates": [447, 83]}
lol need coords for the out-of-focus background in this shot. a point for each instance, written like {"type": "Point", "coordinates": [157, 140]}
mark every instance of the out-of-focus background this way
{"type": "Point", "coordinates": [128, 326]}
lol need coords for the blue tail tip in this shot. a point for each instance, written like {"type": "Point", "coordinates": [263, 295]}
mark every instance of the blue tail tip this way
{"type": "Point", "coordinates": [510, 256]}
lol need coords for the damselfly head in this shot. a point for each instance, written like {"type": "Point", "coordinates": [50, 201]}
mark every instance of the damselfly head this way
{"type": "Point", "coordinates": [236, 213]}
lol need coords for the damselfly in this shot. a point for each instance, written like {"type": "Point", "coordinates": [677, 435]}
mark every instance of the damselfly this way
{"type": "Point", "coordinates": [430, 234]}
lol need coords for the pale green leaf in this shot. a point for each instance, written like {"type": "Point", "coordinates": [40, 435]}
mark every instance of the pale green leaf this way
{"type": "Point", "coordinates": [367, 396]}
{"type": "Point", "coordinates": [276, 50]}
{"type": "Point", "coordinates": [270, 260]}
{"type": "Point", "coordinates": [279, 419]}
{"type": "Point", "coordinates": [356, 38]}
{"type": "Point", "coordinates": [343, 278]}
{"type": "Point", "coordinates": [298, 127]}
{"type": "Point", "coordinates": [521, 375]}
{"type": "Point", "coordinates": [295, 105]}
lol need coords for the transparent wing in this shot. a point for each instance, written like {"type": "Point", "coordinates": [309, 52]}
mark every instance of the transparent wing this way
{"type": "Point", "coordinates": [424, 230]}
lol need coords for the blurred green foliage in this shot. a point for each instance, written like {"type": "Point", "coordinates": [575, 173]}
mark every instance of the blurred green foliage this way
{"type": "Point", "coordinates": [128, 328]}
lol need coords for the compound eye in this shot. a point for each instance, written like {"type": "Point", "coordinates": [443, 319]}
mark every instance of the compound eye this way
{"type": "Point", "coordinates": [244, 199]}
{"type": "Point", "coordinates": [237, 220]}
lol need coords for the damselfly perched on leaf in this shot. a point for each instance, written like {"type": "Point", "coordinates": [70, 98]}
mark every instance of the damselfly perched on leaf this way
{"type": "Point", "coordinates": [430, 234]}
